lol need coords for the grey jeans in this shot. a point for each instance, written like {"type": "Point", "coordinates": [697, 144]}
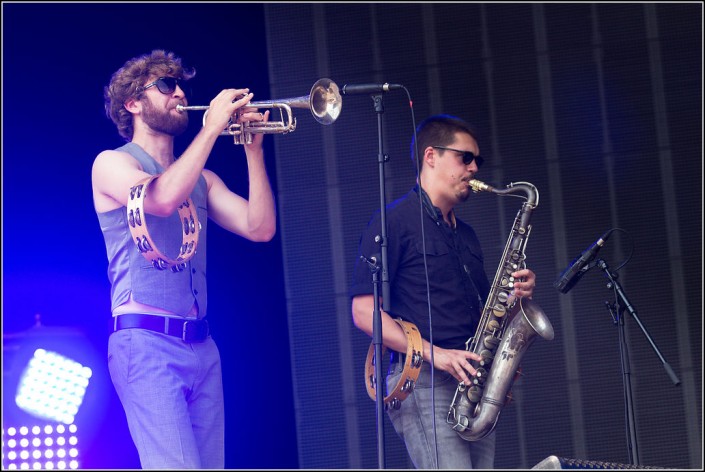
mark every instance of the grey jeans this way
{"type": "Point", "coordinates": [172, 393]}
{"type": "Point", "coordinates": [413, 422]}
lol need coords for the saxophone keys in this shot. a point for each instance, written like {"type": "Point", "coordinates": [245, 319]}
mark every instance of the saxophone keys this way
{"type": "Point", "coordinates": [474, 394]}
{"type": "Point", "coordinates": [490, 342]}
{"type": "Point", "coordinates": [493, 325]}
{"type": "Point", "coordinates": [462, 424]}
{"type": "Point", "coordinates": [499, 310]}
{"type": "Point", "coordinates": [487, 357]}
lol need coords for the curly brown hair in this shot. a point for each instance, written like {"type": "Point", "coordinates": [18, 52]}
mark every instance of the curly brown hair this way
{"type": "Point", "coordinates": [127, 82]}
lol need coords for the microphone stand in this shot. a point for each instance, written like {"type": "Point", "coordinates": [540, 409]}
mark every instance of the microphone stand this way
{"type": "Point", "coordinates": [617, 311]}
{"type": "Point", "coordinates": [380, 382]}
{"type": "Point", "coordinates": [377, 315]}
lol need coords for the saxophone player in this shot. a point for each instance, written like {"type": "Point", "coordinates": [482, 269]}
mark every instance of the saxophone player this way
{"type": "Point", "coordinates": [447, 285]}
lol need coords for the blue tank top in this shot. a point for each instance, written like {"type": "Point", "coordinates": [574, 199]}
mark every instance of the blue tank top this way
{"type": "Point", "coordinates": [130, 272]}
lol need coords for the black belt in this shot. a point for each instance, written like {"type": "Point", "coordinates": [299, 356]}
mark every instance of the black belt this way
{"type": "Point", "coordinates": [190, 331]}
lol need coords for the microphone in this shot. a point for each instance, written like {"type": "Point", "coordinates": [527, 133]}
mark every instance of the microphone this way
{"type": "Point", "coordinates": [574, 272]}
{"type": "Point", "coordinates": [349, 89]}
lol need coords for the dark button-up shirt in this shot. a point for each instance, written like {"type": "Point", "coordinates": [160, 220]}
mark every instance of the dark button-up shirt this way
{"type": "Point", "coordinates": [457, 282]}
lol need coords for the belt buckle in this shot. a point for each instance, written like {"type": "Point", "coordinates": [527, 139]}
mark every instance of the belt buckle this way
{"type": "Point", "coordinates": [195, 331]}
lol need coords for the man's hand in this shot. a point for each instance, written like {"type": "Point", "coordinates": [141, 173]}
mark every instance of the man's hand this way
{"type": "Point", "coordinates": [251, 115]}
{"type": "Point", "coordinates": [524, 283]}
{"type": "Point", "coordinates": [456, 362]}
{"type": "Point", "coordinates": [223, 107]}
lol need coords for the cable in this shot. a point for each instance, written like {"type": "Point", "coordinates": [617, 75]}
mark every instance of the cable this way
{"type": "Point", "coordinates": [631, 252]}
{"type": "Point", "coordinates": [425, 265]}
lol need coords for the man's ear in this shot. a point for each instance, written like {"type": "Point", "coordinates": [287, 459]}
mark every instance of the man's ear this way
{"type": "Point", "coordinates": [132, 105]}
{"type": "Point", "coordinates": [429, 157]}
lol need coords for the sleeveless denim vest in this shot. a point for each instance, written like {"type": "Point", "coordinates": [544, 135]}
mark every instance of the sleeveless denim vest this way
{"type": "Point", "coordinates": [130, 272]}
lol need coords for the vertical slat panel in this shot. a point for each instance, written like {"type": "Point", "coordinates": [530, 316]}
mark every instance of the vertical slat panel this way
{"type": "Point", "coordinates": [588, 102]}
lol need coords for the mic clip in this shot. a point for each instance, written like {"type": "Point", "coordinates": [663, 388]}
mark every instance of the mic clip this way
{"type": "Point", "coordinates": [371, 262]}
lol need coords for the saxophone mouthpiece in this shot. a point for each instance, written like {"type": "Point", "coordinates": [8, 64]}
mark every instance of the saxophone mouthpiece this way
{"type": "Point", "coordinates": [478, 186]}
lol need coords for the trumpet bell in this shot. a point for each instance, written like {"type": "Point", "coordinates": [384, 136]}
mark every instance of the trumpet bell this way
{"type": "Point", "coordinates": [325, 101]}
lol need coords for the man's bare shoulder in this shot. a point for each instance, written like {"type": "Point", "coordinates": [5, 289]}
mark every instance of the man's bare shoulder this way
{"type": "Point", "coordinates": [113, 155]}
{"type": "Point", "coordinates": [112, 160]}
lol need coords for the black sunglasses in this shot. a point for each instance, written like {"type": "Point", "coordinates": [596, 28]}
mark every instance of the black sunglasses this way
{"type": "Point", "coordinates": [167, 85]}
{"type": "Point", "coordinates": [468, 157]}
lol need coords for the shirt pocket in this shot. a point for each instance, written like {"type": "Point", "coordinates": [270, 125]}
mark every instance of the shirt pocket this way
{"type": "Point", "coordinates": [438, 259]}
{"type": "Point", "coordinates": [432, 247]}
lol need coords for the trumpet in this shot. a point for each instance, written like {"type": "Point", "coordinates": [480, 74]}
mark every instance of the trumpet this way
{"type": "Point", "coordinates": [324, 102]}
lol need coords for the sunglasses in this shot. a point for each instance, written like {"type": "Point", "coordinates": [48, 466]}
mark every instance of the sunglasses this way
{"type": "Point", "coordinates": [468, 157]}
{"type": "Point", "coordinates": [167, 85]}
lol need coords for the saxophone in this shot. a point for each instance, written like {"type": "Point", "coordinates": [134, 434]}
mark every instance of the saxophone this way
{"type": "Point", "coordinates": [507, 328]}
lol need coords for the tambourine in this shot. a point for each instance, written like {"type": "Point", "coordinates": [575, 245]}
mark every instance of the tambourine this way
{"type": "Point", "coordinates": [140, 234]}
{"type": "Point", "coordinates": [412, 368]}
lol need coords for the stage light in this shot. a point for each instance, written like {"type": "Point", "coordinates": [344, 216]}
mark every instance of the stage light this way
{"type": "Point", "coordinates": [33, 447]}
{"type": "Point", "coordinates": [52, 386]}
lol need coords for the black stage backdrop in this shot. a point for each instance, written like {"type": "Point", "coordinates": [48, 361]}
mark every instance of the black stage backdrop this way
{"type": "Point", "coordinates": [598, 105]}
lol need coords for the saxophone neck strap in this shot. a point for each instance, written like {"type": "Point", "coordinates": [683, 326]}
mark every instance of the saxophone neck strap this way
{"type": "Point", "coordinates": [412, 367]}
{"type": "Point", "coordinates": [137, 222]}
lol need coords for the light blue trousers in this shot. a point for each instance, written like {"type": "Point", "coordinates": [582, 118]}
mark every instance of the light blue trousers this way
{"type": "Point", "coordinates": [172, 393]}
{"type": "Point", "coordinates": [414, 424]}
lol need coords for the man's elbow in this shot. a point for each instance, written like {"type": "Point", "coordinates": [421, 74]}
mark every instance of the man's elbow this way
{"type": "Point", "coordinates": [360, 316]}
{"type": "Point", "coordinates": [162, 209]}
{"type": "Point", "coordinates": [356, 319]}
{"type": "Point", "coordinates": [263, 234]}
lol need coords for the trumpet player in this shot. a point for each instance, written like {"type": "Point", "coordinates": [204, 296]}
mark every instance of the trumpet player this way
{"type": "Point", "coordinates": [163, 362]}
{"type": "Point", "coordinates": [452, 266]}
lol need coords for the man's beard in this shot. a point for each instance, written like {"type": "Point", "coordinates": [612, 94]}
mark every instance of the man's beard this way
{"type": "Point", "coordinates": [164, 122]}
{"type": "Point", "coordinates": [463, 194]}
